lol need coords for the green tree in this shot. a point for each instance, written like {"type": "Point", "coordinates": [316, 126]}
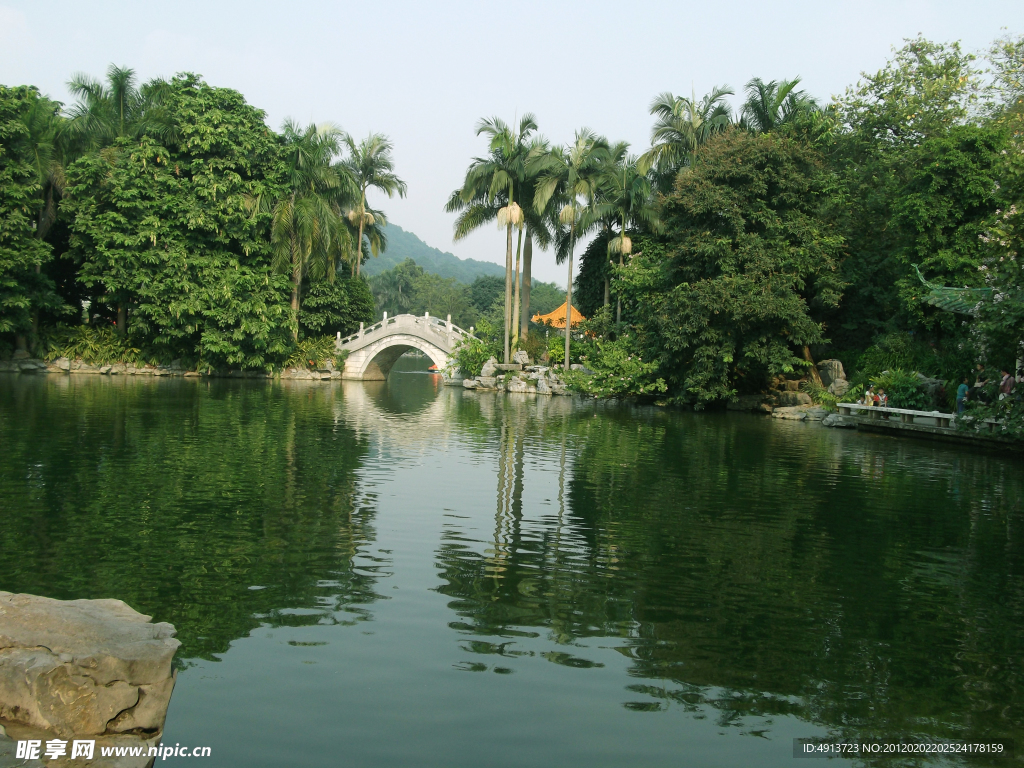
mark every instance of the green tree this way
{"type": "Point", "coordinates": [886, 119]}
{"type": "Point", "coordinates": [109, 118]}
{"type": "Point", "coordinates": [21, 252]}
{"type": "Point", "coordinates": [728, 298]}
{"type": "Point", "coordinates": [168, 226]}
{"type": "Point", "coordinates": [484, 291]}
{"type": "Point", "coordinates": [394, 290]}
{"type": "Point", "coordinates": [371, 166]}
{"type": "Point", "coordinates": [46, 146]}
{"type": "Point", "coordinates": [942, 212]}
{"type": "Point", "coordinates": [336, 307]}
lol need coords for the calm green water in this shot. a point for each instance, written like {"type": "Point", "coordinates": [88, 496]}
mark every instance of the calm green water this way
{"type": "Point", "coordinates": [404, 574]}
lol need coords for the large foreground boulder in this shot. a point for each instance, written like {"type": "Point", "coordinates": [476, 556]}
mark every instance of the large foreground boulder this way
{"type": "Point", "coordinates": [83, 668]}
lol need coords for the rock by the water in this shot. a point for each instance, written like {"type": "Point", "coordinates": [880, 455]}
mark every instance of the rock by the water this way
{"type": "Point", "coordinates": [470, 383]}
{"type": "Point", "coordinates": [521, 357]}
{"type": "Point", "coordinates": [83, 667]}
{"type": "Point", "coordinates": [543, 388]}
{"type": "Point", "coordinates": [487, 382]}
{"type": "Point", "coordinates": [518, 385]}
{"type": "Point", "coordinates": [835, 420]}
{"type": "Point", "coordinates": [791, 399]}
{"type": "Point", "coordinates": [790, 414]}
{"type": "Point", "coordinates": [489, 368]}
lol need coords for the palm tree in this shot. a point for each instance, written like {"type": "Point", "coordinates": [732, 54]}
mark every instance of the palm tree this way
{"type": "Point", "coordinates": [492, 191]}
{"type": "Point", "coordinates": [628, 199]}
{"type": "Point", "coordinates": [771, 105]}
{"type": "Point", "coordinates": [307, 232]}
{"type": "Point", "coordinates": [539, 226]}
{"type": "Point", "coordinates": [375, 238]}
{"type": "Point", "coordinates": [570, 174]}
{"type": "Point", "coordinates": [682, 126]}
{"type": "Point", "coordinates": [119, 109]}
{"type": "Point", "coordinates": [48, 145]}
{"type": "Point", "coordinates": [371, 165]}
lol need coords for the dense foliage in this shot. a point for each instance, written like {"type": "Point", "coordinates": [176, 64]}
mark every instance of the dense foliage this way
{"type": "Point", "coordinates": [788, 231]}
{"type": "Point", "coordinates": [21, 251]}
{"type": "Point", "coordinates": [749, 258]}
{"type": "Point", "coordinates": [169, 225]}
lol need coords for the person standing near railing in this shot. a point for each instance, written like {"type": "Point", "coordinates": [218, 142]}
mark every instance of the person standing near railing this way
{"type": "Point", "coordinates": [961, 395]}
{"type": "Point", "coordinates": [1006, 385]}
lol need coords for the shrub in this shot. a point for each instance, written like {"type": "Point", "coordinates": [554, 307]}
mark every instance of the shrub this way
{"type": "Point", "coordinates": [534, 345]}
{"type": "Point", "coordinates": [315, 352]}
{"type": "Point", "coordinates": [96, 346]}
{"type": "Point", "coordinates": [619, 371]}
{"type": "Point", "coordinates": [909, 352]}
{"type": "Point", "coordinates": [820, 395]}
{"type": "Point", "coordinates": [903, 390]}
{"type": "Point", "coordinates": [470, 354]}
{"type": "Point", "coordinates": [556, 349]}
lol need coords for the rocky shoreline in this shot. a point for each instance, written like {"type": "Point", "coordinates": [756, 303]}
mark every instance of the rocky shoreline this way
{"type": "Point", "coordinates": [783, 401]}
{"type": "Point", "coordinates": [519, 376]}
{"type": "Point", "coordinates": [69, 366]}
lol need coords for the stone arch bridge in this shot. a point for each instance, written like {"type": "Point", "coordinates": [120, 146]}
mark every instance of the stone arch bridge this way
{"type": "Point", "coordinates": [374, 350]}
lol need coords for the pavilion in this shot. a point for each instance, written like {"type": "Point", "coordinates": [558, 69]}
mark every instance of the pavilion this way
{"type": "Point", "coordinates": [556, 318]}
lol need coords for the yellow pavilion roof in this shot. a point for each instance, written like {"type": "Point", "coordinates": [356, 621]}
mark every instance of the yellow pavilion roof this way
{"type": "Point", "coordinates": [556, 318]}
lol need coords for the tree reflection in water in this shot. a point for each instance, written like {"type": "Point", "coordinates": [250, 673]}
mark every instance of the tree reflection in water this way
{"type": "Point", "coordinates": [752, 569]}
{"type": "Point", "coordinates": [214, 505]}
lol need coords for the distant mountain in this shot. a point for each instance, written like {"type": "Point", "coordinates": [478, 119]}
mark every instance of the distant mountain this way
{"type": "Point", "coordinates": [404, 245]}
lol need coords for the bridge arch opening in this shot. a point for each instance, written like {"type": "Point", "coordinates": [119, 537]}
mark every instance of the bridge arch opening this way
{"type": "Point", "coordinates": [379, 365]}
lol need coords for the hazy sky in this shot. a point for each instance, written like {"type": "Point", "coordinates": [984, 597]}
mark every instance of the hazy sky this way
{"type": "Point", "coordinates": [425, 72]}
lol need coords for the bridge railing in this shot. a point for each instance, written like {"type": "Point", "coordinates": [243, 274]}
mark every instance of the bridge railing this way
{"type": "Point", "coordinates": [434, 323]}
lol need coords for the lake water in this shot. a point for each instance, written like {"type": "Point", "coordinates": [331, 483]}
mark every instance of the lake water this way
{"type": "Point", "coordinates": [403, 574]}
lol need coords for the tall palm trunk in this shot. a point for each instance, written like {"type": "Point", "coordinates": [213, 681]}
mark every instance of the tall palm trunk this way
{"type": "Point", "coordinates": [515, 306]}
{"type": "Point", "coordinates": [359, 243]}
{"type": "Point", "coordinates": [618, 299]}
{"type": "Point", "coordinates": [568, 293]}
{"type": "Point", "coordinates": [524, 326]}
{"type": "Point", "coordinates": [296, 283]}
{"type": "Point", "coordinates": [508, 287]}
{"type": "Point", "coordinates": [607, 280]}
